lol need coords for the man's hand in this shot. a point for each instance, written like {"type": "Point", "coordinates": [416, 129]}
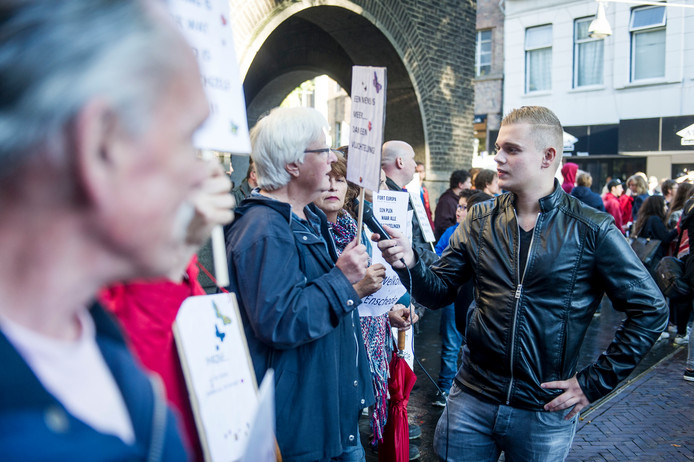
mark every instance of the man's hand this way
{"type": "Point", "coordinates": [573, 396]}
{"type": "Point", "coordinates": [353, 261]}
{"type": "Point", "coordinates": [213, 205]}
{"type": "Point", "coordinates": [395, 249]}
{"type": "Point", "coordinates": [399, 317]}
{"type": "Point", "coordinates": [372, 281]}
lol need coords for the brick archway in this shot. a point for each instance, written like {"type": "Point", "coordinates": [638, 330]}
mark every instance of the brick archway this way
{"type": "Point", "coordinates": [427, 46]}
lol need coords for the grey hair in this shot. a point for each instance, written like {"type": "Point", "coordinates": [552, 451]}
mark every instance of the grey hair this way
{"type": "Point", "coordinates": [55, 58]}
{"type": "Point", "coordinates": [280, 138]}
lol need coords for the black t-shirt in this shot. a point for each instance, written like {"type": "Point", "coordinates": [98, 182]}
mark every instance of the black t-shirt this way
{"type": "Point", "coordinates": [525, 238]}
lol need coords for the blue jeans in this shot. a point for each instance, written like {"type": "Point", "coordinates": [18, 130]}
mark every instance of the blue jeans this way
{"type": "Point", "coordinates": [475, 430]}
{"type": "Point", "coordinates": [451, 340]}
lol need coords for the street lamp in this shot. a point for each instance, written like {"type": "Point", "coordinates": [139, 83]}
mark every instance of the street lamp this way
{"type": "Point", "coordinates": [600, 28]}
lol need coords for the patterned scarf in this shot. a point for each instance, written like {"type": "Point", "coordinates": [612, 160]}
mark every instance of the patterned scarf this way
{"type": "Point", "coordinates": [344, 230]}
{"type": "Point", "coordinates": [375, 331]}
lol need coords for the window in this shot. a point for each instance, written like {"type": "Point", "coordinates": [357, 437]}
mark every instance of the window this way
{"type": "Point", "coordinates": [588, 55]}
{"type": "Point", "coordinates": [538, 58]}
{"type": "Point", "coordinates": [647, 29]}
{"type": "Point", "coordinates": [483, 53]}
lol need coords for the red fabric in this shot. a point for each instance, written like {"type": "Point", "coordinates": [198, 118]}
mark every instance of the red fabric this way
{"type": "Point", "coordinates": [427, 206]}
{"type": "Point", "coordinates": [612, 207]}
{"type": "Point", "coordinates": [626, 203]}
{"type": "Point", "coordinates": [568, 171]}
{"type": "Point", "coordinates": [396, 436]}
{"type": "Point", "coordinates": [147, 310]}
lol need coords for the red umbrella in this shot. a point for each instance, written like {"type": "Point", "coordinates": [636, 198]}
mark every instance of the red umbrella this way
{"type": "Point", "coordinates": [396, 438]}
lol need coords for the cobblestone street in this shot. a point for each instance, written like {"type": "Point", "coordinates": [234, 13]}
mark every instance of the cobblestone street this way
{"type": "Point", "coordinates": [648, 418]}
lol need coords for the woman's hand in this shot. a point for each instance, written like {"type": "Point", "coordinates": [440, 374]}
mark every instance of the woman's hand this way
{"type": "Point", "coordinates": [372, 282]}
{"type": "Point", "coordinates": [399, 317]}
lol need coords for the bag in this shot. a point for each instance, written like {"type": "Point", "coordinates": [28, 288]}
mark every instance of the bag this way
{"type": "Point", "coordinates": [670, 278]}
{"type": "Point", "coordinates": [645, 249]}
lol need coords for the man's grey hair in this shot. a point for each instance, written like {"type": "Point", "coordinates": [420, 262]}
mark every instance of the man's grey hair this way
{"type": "Point", "coordinates": [57, 56]}
{"type": "Point", "coordinates": [281, 138]}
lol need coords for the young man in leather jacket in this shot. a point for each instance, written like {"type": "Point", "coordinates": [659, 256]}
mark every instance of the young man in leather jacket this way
{"type": "Point", "coordinates": [540, 261]}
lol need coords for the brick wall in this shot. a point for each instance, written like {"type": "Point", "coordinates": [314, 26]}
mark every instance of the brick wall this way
{"type": "Point", "coordinates": [435, 40]}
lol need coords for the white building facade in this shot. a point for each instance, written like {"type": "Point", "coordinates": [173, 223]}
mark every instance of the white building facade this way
{"type": "Point", "coordinates": [624, 98]}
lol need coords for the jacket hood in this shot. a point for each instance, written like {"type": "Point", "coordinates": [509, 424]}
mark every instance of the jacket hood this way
{"type": "Point", "coordinates": [568, 171]}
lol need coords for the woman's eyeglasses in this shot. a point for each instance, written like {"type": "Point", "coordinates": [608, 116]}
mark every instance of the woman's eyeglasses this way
{"type": "Point", "coordinates": [324, 151]}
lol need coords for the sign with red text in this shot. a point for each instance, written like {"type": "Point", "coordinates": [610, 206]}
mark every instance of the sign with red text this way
{"type": "Point", "coordinates": [367, 120]}
{"type": "Point", "coordinates": [207, 27]}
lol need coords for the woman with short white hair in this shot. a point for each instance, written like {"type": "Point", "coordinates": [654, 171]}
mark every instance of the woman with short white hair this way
{"type": "Point", "coordinates": [295, 294]}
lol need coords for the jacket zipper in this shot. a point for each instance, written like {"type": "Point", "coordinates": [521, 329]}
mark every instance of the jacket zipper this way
{"type": "Point", "coordinates": [517, 295]}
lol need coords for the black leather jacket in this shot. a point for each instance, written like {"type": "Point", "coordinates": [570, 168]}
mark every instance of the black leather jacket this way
{"type": "Point", "coordinates": [527, 329]}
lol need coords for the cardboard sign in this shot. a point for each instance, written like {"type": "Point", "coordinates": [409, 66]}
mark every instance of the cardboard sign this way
{"type": "Point", "coordinates": [418, 207]}
{"type": "Point", "coordinates": [219, 374]}
{"type": "Point", "coordinates": [207, 27]}
{"type": "Point", "coordinates": [390, 208]}
{"type": "Point", "coordinates": [261, 441]}
{"type": "Point", "coordinates": [382, 300]}
{"type": "Point", "coordinates": [367, 121]}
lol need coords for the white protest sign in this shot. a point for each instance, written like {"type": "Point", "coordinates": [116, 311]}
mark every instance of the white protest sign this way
{"type": "Point", "coordinates": [382, 300]}
{"type": "Point", "coordinates": [261, 441]}
{"type": "Point", "coordinates": [390, 208]}
{"type": "Point", "coordinates": [418, 207]}
{"type": "Point", "coordinates": [219, 374]}
{"type": "Point", "coordinates": [367, 121]}
{"type": "Point", "coordinates": [207, 27]}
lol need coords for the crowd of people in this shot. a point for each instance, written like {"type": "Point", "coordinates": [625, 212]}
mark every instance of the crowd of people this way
{"type": "Point", "coordinates": [105, 204]}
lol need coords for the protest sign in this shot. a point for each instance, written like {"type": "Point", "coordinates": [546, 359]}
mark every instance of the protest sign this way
{"type": "Point", "coordinates": [382, 300]}
{"type": "Point", "coordinates": [390, 208]}
{"type": "Point", "coordinates": [424, 224]}
{"type": "Point", "coordinates": [261, 441]}
{"type": "Point", "coordinates": [207, 27]}
{"type": "Point", "coordinates": [219, 374]}
{"type": "Point", "coordinates": [367, 121]}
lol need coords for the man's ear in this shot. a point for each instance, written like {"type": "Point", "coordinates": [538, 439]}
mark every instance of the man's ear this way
{"type": "Point", "coordinates": [95, 142]}
{"type": "Point", "coordinates": [399, 162]}
{"type": "Point", "coordinates": [548, 157]}
{"type": "Point", "coordinates": [293, 169]}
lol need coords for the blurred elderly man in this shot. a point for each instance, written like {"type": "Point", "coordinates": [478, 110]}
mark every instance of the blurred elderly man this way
{"type": "Point", "coordinates": [98, 104]}
{"type": "Point", "coordinates": [296, 297]}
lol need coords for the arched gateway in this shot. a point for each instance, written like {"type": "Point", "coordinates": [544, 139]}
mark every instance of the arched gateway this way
{"type": "Point", "coordinates": [428, 47]}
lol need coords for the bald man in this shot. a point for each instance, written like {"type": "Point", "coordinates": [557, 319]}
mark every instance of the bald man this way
{"type": "Point", "coordinates": [398, 162]}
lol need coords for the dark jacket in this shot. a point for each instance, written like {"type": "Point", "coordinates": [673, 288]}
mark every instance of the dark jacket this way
{"type": "Point", "coordinates": [638, 202]}
{"type": "Point", "coordinates": [444, 217]}
{"type": "Point", "coordinates": [35, 426]}
{"type": "Point", "coordinates": [299, 316]}
{"type": "Point", "coordinates": [585, 195]}
{"type": "Point", "coordinates": [241, 192]}
{"type": "Point", "coordinates": [527, 329]}
{"type": "Point", "coordinates": [424, 248]}
{"type": "Point", "coordinates": [654, 228]}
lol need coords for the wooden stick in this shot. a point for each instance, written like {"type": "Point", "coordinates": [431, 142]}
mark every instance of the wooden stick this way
{"type": "Point", "coordinates": [402, 338]}
{"type": "Point", "coordinates": [219, 249]}
{"type": "Point", "coordinates": [219, 257]}
{"type": "Point", "coordinates": [360, 214]}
